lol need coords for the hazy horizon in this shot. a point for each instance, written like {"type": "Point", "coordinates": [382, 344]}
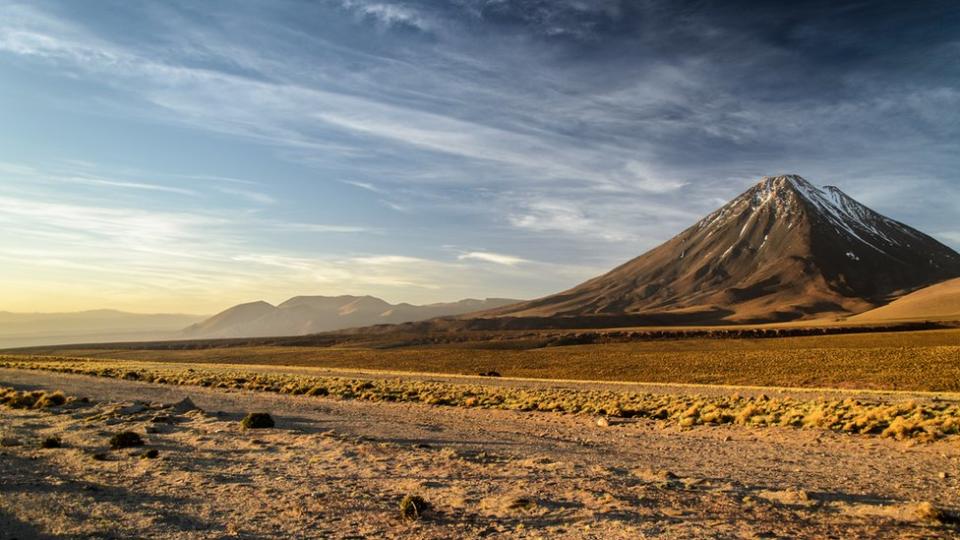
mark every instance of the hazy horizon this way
{"type": "Point", "coordinates": [185, 157]}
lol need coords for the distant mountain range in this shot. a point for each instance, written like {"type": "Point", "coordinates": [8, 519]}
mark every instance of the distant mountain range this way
{"type": "Point", "coordinates": [783, 250]}
{"type": "Point", "coordinates": [312, 314]}
{"type": "Point", "coordinates": [27, 329]}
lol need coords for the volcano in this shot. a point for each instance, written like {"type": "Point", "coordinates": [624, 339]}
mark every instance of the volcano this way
{"type": "Point", "coordinates": [783, 250]}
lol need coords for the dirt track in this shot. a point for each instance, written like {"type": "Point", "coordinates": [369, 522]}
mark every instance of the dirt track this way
{"type": "Point", "coordinates": [474, 464]}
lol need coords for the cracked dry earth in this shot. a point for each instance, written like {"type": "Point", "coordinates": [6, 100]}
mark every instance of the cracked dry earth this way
{"type": "Point", "coordinates": [338, 469]}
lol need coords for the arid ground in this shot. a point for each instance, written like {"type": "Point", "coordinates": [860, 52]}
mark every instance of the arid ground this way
{"type": "Point", "coordinates": [488, 463]}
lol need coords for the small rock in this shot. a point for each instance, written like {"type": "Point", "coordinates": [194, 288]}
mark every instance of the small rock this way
{"type": "Point", "coordinates": [727, 438]}
{"type": "Point", "coordinates": [153, 453]}
{"type": "Point", "coordinates": [257, 420]}
{"type": "Point", "coordinates": [521, 503]}
{"type": "Point", "coordinates": [51, 442]}
{"type": "Point", "coordinates": [125, 439]}
{"type": "Point", "coordinates": [184, 405]}
{"type": "Point", "coordinates": [137, 407]}
{"type": "Point", "coordinates": [603, 422]}
{"type": "Point", "coordinates": [10, 441]}
{"type": "Point", "coordinates": [943, 475]}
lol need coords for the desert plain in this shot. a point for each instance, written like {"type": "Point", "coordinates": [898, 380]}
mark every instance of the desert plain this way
{"type": "Point", "coordinates": [841, 436]}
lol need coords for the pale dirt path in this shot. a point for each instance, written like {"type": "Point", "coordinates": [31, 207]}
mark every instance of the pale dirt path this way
{"type": "Point", "coordinates": [843, 474]}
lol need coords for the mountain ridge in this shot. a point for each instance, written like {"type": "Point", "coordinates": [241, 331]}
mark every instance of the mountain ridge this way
{"type": "Point", "coordinates": [302, 315]}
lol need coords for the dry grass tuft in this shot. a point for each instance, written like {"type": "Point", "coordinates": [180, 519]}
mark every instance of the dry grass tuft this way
{"type": "Point", "coordinates": [257, 420]}
{"type": "Point", "coordinates": [907, 420]}
{"type": "Point", "coordinates": [51, 399]}
{"type": "Point", "coordinates": [412, 507]}
{"type": "Point", "coordinates": [51, 442]}
{"type": "Point", "coordinates": [125, 439]}
{"type": "Point", "coordinates": [37, 399]}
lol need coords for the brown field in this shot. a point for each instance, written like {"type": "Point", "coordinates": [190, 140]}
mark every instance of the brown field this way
{"type": "Point", "coordinates": [923, 418]}
{"type": "Point", "coordinates": [920, 361]}
{"type": "Point", "coordinates": [360, 429]}
{"type": "Point", "coordinates": [340, 468]}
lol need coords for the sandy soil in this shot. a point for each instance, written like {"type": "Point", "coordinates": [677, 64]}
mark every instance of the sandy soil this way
{"type": "Point", "coordinates": [338, 469]}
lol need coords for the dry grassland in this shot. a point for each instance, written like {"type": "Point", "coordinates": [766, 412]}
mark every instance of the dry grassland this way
{"type": "Point", "coordinates": [924, 421]}
{"type": "Point", "coordinates": [923, 360]}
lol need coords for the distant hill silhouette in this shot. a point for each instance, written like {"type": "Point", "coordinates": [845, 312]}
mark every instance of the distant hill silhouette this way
{"type": "Point", "coordinates": [28, 329]}
{"type": "Point", "coordinates": [311, 314]}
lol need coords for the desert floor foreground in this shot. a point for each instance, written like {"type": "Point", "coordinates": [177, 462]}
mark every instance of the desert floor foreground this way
{"type": "Point", "coordinates": [338, 469]}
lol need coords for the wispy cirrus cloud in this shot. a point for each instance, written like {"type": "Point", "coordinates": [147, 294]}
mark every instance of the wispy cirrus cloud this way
{"type": "Point", "coordinates": [127, 185]}
{"type": "Point", "coordinates": [327, 134]}
{"type": "Point", "coordinates": [496, 258]}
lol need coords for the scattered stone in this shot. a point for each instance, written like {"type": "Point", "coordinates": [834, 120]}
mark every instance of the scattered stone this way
{"type": "Point", "coordinates": [152, 453]}
{"type": "Point", "coordinates": [258, 420]}
{"type": "Point", "coordinates": [943, 475]}
{"type": "Point", "coordinates": [125, 439]}
{"type": "Point", "coordinates": [603, 422]}
{"type": "Point", "coordinates": [137, 407]}
{"type": "Point", "coordinates": [183, 406]}
{"type": "Point", "coordinates": [522, 503]}
{"type": "Point", "coordinates": [100, 456]}
{"type": "Point", "coordinates": [928, 512]}
{"type": "Point", "coordinates": [162, 419]}
{"type": "Point", "coordinates": [489, 374]}
{"type": "Point", "coordinates": [412, 507]}
{"type": "Point", "coordinates": [51, 442]}
{"type": "Point", "coordinates": [10, 441]}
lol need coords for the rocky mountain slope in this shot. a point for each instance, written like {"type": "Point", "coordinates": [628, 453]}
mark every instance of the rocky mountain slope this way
{"type": "Point", "coordinates": [782, 250]}
{"type": "Point", "coordinates": [311, 314]}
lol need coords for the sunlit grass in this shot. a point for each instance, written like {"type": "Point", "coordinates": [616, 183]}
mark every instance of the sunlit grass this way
{"type": "Point", "coordinates": [928, 360]}
{"type": "Point", "coordinates": [904, 420]}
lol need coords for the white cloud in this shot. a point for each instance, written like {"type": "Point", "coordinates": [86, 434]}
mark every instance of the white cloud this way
{"type": "Point", "coordinates": [496, 258]}
{"type": "Point", "coordinates": [320, 228]}
{"type": "Point", "coordinates": [250, 195]}
{"type": "Point", "coordinates": [389, 14]}
{"type": "Point", "coordinates": [128, 185]}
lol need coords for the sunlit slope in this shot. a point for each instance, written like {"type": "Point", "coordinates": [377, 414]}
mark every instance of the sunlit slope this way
{"type": "Point", "coordinates": [936, 302]}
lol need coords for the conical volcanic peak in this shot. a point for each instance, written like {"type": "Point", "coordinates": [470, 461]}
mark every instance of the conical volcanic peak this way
{"type": "Point", "coordinates": [784, 249]}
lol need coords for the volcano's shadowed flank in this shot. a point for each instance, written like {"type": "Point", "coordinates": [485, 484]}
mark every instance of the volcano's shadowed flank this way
{"type": "Point", "coordinates": [782, 250]}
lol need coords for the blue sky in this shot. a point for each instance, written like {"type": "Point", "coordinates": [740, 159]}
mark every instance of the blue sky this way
{"type": "Point", "coordinates": [187, 156]}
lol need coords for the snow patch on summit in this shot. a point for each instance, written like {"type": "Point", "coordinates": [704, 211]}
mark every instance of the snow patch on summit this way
{"type": "Point", "coordinates": [845, 214]}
